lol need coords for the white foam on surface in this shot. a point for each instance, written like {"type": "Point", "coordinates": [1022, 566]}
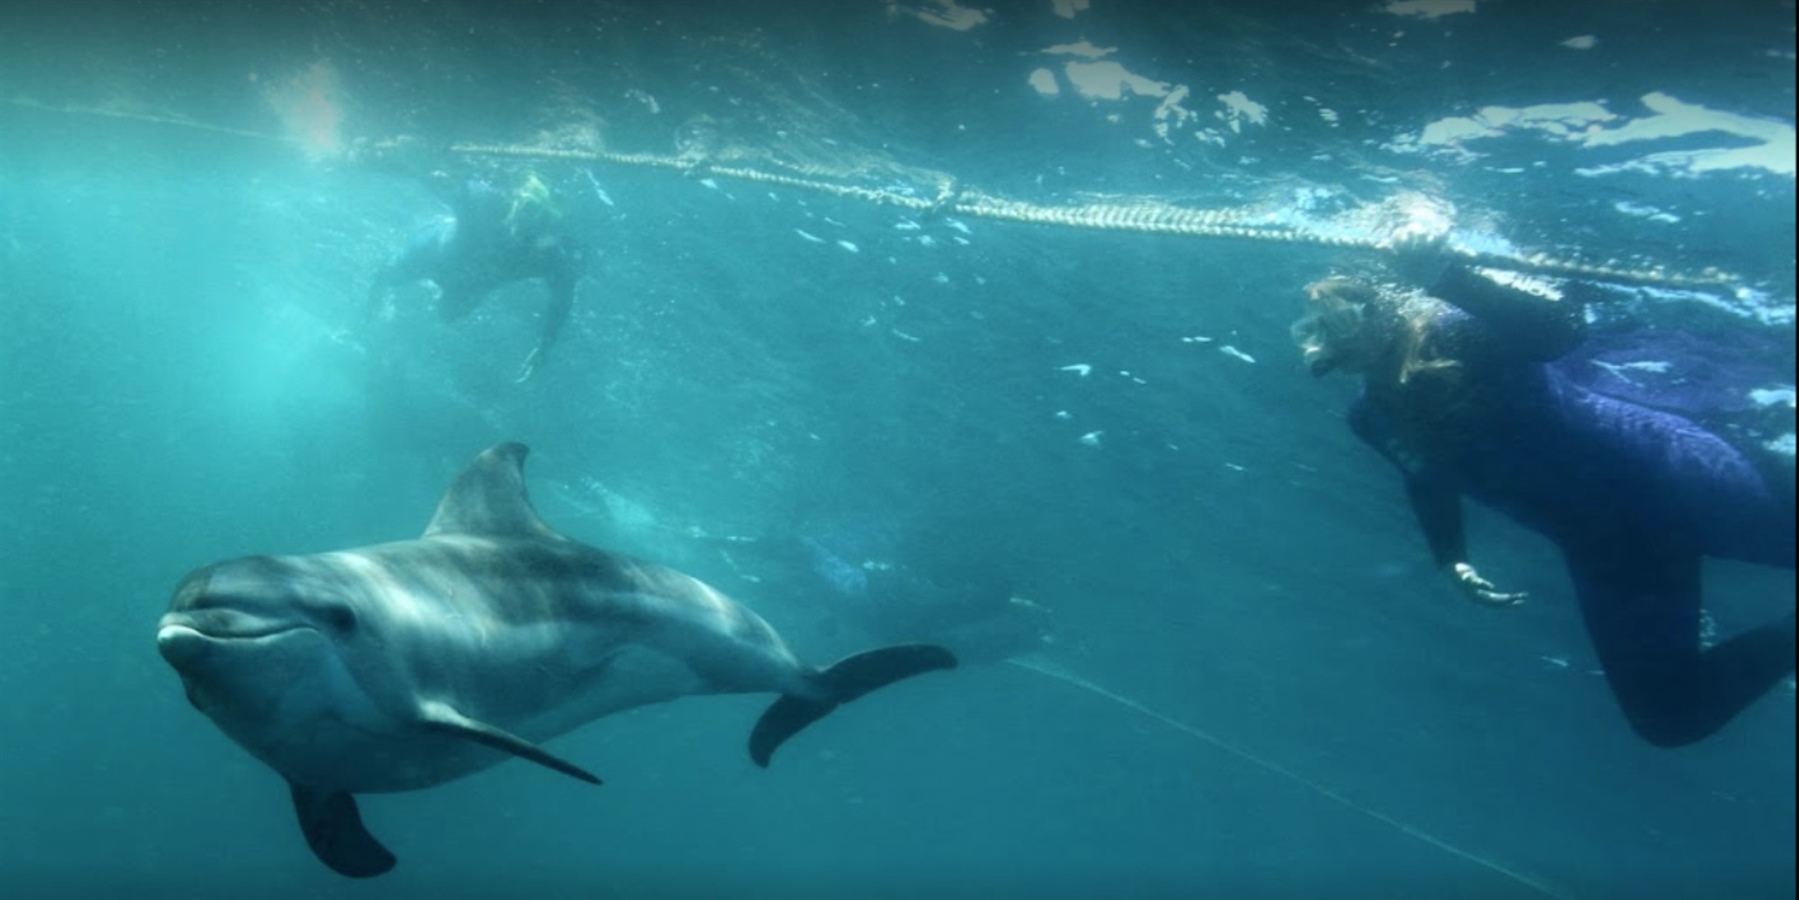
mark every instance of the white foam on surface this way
{"type": "Point", "coordinates": [1590, 125]}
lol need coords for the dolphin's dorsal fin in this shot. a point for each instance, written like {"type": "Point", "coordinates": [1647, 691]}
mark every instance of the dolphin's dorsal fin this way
{"type": "Point", "coordinates": [488, 498]}
{"type": "Point", "coordinates": [441, 717]}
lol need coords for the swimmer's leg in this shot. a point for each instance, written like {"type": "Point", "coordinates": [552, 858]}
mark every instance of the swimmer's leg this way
{"type": "Point", "coordinates": [1642, 611]}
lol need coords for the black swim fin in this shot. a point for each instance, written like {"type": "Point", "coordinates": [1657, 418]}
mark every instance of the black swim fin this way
{"type": "Point", "coordinates": [847, 679]}
{"type": "Point", "coordinates": [333, 828]}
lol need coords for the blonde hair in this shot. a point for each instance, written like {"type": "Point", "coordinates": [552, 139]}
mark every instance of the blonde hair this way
{"type": "Point", "coordinates": [1344, 307]}
{"type": "Point", "coordinates": [1338, 307]}
{"type": "Point", "coordinates": [531, 205]}
{"type": "Point", "coordinates": [1417, 379]}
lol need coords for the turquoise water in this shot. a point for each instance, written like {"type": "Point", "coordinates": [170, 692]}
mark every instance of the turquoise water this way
{"type": "Point", "coordinates": [186, 238]}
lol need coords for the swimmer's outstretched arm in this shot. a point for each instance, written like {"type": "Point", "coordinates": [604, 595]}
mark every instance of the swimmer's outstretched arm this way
{"type": "Point", "coordinates": [1437, 504]}
{"type": "Point", "coordinates": [1438, 508]}
{"type": "Point", "coordinates": [1531, 325]}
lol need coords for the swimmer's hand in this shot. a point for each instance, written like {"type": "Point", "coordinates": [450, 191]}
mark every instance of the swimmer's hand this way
{"type": "Point", "coordinates": [1416, 225]}
{"type": "Point", "coordinates": [530, 367]}
{"type": "Point", "coordinates": [1419, 258]}
{"type": "Point", "coordinates": [1481, 590]}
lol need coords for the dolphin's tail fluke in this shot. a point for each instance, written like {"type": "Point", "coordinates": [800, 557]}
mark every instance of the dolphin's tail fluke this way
{"type": "Point", "coordinates": [847, 679]}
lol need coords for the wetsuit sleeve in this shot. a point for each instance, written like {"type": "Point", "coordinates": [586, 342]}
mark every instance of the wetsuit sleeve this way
{"type": "Point", "coordinates": [560, 276]}
{"type": "Point", "coordinates": [1438, 507]}
{"type": "Point", "coordinates": [479, 209]}
{"type": "Point", "coordinates": [1435, 499]}
{"type": "Point", "coordinates": [378, 288]}
{"type": "Point", "coordinates": [419, 260]}
{"type": "Point", "coordinates": [1536, 328]}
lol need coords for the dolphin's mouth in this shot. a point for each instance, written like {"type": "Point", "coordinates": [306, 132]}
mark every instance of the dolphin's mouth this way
{"type": "Point", "coordinates": [187, 631]}
{"type": "Point", "coordinates": [182, 639]}
{"type": "Point", "coordinates": [224, 625]}
{"type": "Point", "coordinates": [196, 648]}
{"type": "Point", "coordinates": [233, 635]}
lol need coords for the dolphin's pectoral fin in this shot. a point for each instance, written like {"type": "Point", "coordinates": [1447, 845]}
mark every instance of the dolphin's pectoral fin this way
{"type": "Point", "coordinates": [333, 829]}
{"type": "Point", "coordinates": [440, 717]}
{"type": "Point", "coordinates": [847, 679]}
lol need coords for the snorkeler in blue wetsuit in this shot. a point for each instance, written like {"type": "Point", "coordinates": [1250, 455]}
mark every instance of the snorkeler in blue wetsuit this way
{"type": "Point", "coordinates": [1461, 392]}
{"type": "Point", "coordinates": [493, 238]}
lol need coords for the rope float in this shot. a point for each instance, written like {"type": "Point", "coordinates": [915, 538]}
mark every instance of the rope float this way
{"type": "Point", "coordinates": [1144, 217]}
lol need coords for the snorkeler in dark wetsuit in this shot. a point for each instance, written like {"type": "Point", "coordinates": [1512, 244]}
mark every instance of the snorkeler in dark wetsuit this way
{"type": "Point", "coordinates": [1461, 393]}
{"type": "Point", "coordinates": [492, 239]}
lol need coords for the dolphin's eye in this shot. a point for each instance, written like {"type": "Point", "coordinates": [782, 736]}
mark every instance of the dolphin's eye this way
{"type": "Point", "coordinates": [339, 617]}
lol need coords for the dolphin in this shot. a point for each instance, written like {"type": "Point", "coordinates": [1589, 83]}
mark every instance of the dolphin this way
{"type": "Point", "coordinates": [409, 664]}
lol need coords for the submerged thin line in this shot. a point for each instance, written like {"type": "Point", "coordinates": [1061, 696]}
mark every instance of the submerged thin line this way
{"type": "Point", "coordinates": [1070, 678]}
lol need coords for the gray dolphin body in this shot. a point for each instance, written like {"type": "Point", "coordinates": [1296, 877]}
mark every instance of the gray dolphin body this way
{"type": "Point", "coordinates": [405, 665]}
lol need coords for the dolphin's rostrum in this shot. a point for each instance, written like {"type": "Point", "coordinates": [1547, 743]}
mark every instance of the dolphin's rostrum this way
{"type": "Point", "coordinates": [405, 665]}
